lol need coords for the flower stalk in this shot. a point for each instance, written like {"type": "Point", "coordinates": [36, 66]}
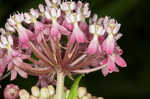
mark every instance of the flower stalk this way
{"type": "Point", "coordinates": [60, 85]}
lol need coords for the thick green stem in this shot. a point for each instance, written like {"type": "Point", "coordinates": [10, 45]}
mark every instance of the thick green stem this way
{"type": "Point", "coordinates": [60, 85]}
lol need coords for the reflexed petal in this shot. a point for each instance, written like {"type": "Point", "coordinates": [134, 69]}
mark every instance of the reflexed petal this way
{"type": "Point", "coordinates": [79, 35]}
{"type": "Point", "coordinates": [13, 75]}
{"type": "Point", "coordinates": [116, 29]}
{"type": "Point", "coordinates": [105, 71]}
{"type": "Point", "coordinates": [63, 30]}
{"type": "Point", "coordinates": [54, 30]}
{"type": "Point", "coordinates": [108, 45]}
{"type": "Point", "coordinates": [22, 73]}
{"type": "Point", "coordinates": [23, 38]}
{"type": "Point", "coordinates": [120, 61]}
{"type": "Point", "coordinates": [111, 65]}
{"type": "Point", "coordinates": [72, 39]}
{"type": "Point", "coordinates": [10, 66]}
{"type": "Point", "coordinates": [93, 46]}
{"type": "Point", "coordinates": [17, 61]}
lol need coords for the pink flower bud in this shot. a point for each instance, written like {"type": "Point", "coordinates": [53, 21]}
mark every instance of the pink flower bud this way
{"type": "Point", "coordinates": [11, 91]}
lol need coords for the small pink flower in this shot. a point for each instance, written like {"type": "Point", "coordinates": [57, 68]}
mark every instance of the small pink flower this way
{"type": "Point", "coordinates": [11, 91]}
{"type": "Point", "coordinates": [14, 66]}
{"type": "Point", "coordinates": [108, 44]}
{"type": "Point", "coordinates": [24, 36]}
{"type": "Point", "coordinates": [111, 62]}
{"type": "Point", "coordinates": [94, 46]}
{"type": "Point", "coordinates": [111, 26]}
{"type": "Point", "coordinates": [14, 60]}
{"type": "Point", "coordinates": [57, 30]}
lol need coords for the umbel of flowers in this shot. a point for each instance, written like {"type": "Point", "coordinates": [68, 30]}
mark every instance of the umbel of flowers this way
{"type": "Point", "coordinates": [56, 39]}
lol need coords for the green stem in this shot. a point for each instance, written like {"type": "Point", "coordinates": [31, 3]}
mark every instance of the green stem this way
{"type": "Point", "coordinates": [60, 85]}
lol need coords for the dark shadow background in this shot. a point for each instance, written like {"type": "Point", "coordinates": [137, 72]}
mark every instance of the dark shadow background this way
{"type": "Point", "coordinates": [132, 82]}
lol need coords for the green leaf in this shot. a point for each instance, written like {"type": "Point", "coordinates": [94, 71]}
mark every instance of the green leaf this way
{"type": "Point", "coordinates": [74, 90]}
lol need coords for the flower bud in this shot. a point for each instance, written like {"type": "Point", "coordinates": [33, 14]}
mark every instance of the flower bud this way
{"type": "Point", "coordinates": [85, 97]}
{"type": "Point", "coordinates": [100, 98]}
{"type": "Point", "coordinates": [89, 95]}
{"type": "Point", "coordinates": [11, 91]}
{"type": "Point", "coordinates": [44, 93]}
{"type": "Point", "coordinates": [35, 91]}
{"type": "Point", "coordinates": [51, 90]}
{"type": "Point", "coordinates": [82, 91]}
{"type": "Point", "coordinates": [23, 94]}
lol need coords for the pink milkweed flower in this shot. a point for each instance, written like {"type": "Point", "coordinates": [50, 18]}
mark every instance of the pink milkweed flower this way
{"type": "Point", "coordinates": [111, 62]}
{"type": "Point", "coordinates": [15, 63]}
{"type": "Point", "coordinates": [56, 28]}
{"type": "Point", "coordinates": [11, 91]}
{"type": "Point", "coordinates": [12, 58]}
{"type": "Point", "coordinates": [24, 36]}
{"type": "Point", "coordinates": [77, 34]}
{"type": "Point", "coordinates": [68, 7]}
{"type": "Point", "coordinates": [16, 22]}
{"type": "Point", "coordinates": [84, 10]}
{"type": "Point", "coordinates": [94, 45]}
{"type": "Point", "coordinates": [112, 28]}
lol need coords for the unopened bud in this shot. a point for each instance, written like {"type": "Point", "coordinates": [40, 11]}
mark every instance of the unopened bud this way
{"type": "Point", "coordinates": [89, 95]}
{"type": "Point", "coordinates": [82, 91]}
{"type": "Point", "coordinates": [44, 93]}
{"type": "Point", "coordinates": [11, 92]}
{"type": "Point", "coordinates": [100, 98]}
{"type": "Point", "coordinates": [85, 97]}
{"type": "Point", "coordinates": [51, 90]}
{"type": "Point", "coordinates": [35, 91]}
{"type": "Point", "coordinates": [23, 94]}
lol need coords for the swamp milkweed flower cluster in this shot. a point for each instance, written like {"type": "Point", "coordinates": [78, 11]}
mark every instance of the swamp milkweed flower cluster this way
{"type": "Point", "coordinates": [60, 38]}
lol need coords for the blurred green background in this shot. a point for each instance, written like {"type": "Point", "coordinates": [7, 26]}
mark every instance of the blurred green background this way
{"type": "Point", "coordinates": [132, 82]}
